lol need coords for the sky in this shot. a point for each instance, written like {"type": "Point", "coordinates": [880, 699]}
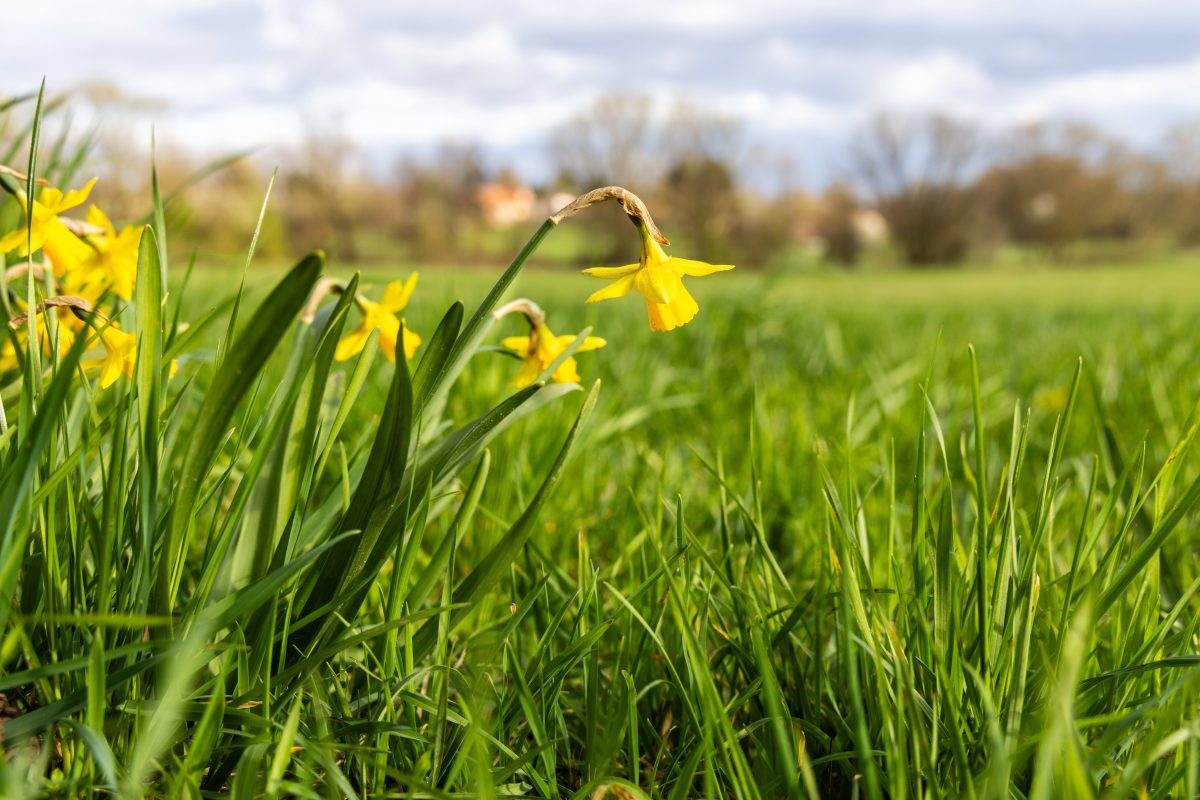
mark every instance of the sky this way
{"type": "Point", "coordinates": [397, 76]}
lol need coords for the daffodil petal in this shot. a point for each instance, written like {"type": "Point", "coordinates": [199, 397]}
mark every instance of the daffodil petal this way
{"type": "Point", "coordinates": [110, 370]}
{"type": "Point", "coordinates": [618, 288]}
{"type": "Point", "coordinates": [397, 293]}
{"type": "Point", "coordinates": [609, 273]}
{"type": "Point", "coordinates": [411, 342]}
{"type": "Point", "coordinates": [518, 344]}
{"type": "Point", "coordinates": [50, 198]}
{"type": "Point", "coordinates": [75, 197]}
{"type": "Point", "coordinates": [591, 343]}
{"type": "Point", "coordinates": [566, 372]}
{"type": "Point", "coordinates": [11, 241]}
{"type": "Point", "coordinates": [696, 269]}
{"type": "Point", "coordinates": [528, 374]}
{"type": "Point", "coordinates": [352, 343]}
{"type": "Point", "coordinates": [657, 283]}
{"type": "Point", "coordinates": [65, 250]}
{"type": "Point", "coordinates": [97, 217]}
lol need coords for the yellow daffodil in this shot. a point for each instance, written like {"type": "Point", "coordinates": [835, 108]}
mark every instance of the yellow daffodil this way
{"type": "Point", "coordinates": [539, 350]}
{"type": "Point", "coordinates": [120, 355]}
{"type": "Point", "coordinates": [112, 264]}
{"type": "Point", "coordinates": [64, 335]}
{"type": "Point", "coordinates": [48, 233]}
{"type": "Point", "coordinates": [120, 348]}
{"type": "Point", "coordinates": [120, 352]}
{"type": "Point", "coordinates": [69, 326]}
{"type": "Point", "coordinates": [382, 315]}
{"type": "Point", "coordinates": [659, 278]}
{"type": "Point", "coordinates": [8, 355]}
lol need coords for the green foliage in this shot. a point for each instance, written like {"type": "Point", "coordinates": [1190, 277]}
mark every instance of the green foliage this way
{"type": "Point", "coordinates": [869, 536]}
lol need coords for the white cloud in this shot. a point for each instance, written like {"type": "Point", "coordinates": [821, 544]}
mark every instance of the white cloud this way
{"type": "Point", "coordinates": [399, 75]}
{"type": "Point", "coordinates": [937, 80]}
{"type": "Point", "coordinates": [1117, 96]}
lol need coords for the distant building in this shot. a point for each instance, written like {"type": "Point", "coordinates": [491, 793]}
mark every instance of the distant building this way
{"type": "Point", "coordinates": [870, 227]}
{"type": "Point", "coordinates": [505, 204]}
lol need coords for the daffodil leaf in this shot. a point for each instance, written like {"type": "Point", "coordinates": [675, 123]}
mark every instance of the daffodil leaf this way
{"type": "Point", "coordinates": [237, 300]}
{"type": "Point", "coordinates": [239, 604]}
{"type": "Point", "coordinates": [248, 538]}
{"type": "Point", "coordinates": [493, 566]}
{"type": "Point", "coordinates": [288, 483]}
{"type": "Point", "coordinates": [180, 346]}
{"type": "Point", "coordinates": [433, 364]}
{"type": "Point", "coordinates": [237, 373]}
{"type": "Point", "coordinates": [20, 472]}
{"type": "Point", "coordinates": [350, 578]}
{"type": "Point", "coordinates": [102, 754]}
{"type": "Point", "coordinates": [305, 439]}
{"type": "Point", "coordinates": [24, 726]}
{"type": "Point", "coordinates": [148, 294]}
{"type": "Point", "coordinates": [380, 480]}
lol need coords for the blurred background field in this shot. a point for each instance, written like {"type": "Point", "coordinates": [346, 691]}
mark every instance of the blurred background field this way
{"type": "Point", "coordinates": [820, 360]}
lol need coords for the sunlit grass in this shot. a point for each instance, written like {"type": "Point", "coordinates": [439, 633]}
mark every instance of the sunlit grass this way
{"type": "Point", "coordinates": [880, 535]}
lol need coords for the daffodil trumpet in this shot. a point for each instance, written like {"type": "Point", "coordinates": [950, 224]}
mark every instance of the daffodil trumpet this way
{"type": "Point", "coordinates": [543, 354]}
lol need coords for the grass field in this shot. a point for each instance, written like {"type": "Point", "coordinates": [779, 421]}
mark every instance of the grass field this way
{"type": "Point", "coordinates": [883, 535]}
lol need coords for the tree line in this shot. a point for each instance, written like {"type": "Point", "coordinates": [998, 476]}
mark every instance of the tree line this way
{"type": "Point", "coordinates": [914, 189]}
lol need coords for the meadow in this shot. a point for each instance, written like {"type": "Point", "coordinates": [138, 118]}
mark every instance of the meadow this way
{"type": "Point", "coordinates": [898, 535]}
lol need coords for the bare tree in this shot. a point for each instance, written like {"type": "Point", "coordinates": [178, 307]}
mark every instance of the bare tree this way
{"type": "Point", "coordinates": [611, 141]}
{"type": "Point", "coordinates": [436, 208]}
{"type": "Point", "coordinates": [916, 171]}
{"type": "Point", "coordinates": [1182, 155]}
{"type": "Point", "coordinates": [1056, 184]}
{"type": "Point", "coordinates": [696, 131]}
{"type": "Point", "coordinates": [703, 149]}
{"type": "Point", "coordinates": [322, 195]}
{"type": "Point", "coordinates": [836, 225]}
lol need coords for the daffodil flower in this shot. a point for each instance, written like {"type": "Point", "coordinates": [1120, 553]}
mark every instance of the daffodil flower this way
{"type": "Point", "coordinates": [112, 264]}
{"type": "Point", "coordinates": [46, 232]}
{"type": "Point", "coordinates": [382, 315]}
{"type": "Point", "coordinates": [120, 348]}
{"type": "Point", "coordinates": [120, 355]}
{"type": "Point", "coordinates": [65, 331]}
{"type": "Point", "coordinates": [659, 278]}
{"type": "Point", "coordinates": [539, 350]}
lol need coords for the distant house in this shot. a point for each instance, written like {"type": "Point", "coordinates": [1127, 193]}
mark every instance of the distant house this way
{"type": "Point", "coordinates": [505, 204]}
{"type": "Point", "coordinates": [870, 226]}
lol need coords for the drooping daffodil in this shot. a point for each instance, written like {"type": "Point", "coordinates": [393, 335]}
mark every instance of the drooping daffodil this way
{"type": "Point", "coordinates": [112, 264]}
{"type": "Point", "coordinates": [659, 278]}
{"type": "Point", "coordinates": [539, 350]}
{"type": "Point", "coordinates": [382, 315]}
{"type": "Point", "coordinates": [46, 232]}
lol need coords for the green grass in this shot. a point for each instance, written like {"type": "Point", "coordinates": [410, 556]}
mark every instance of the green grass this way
{"type": "Point", "coordinates": [879, 535]}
